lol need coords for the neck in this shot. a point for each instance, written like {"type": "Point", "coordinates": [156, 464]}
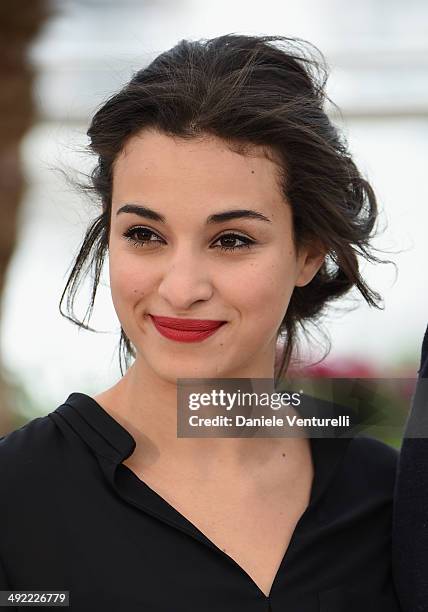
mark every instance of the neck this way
{"type": "Point", "coordinates": [146, 406]}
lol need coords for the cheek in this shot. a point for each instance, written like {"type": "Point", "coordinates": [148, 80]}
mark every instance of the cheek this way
{"type": "Point", "coordinates": [263, 291]}
{"type": "Point", "coordinates": [128, 283]}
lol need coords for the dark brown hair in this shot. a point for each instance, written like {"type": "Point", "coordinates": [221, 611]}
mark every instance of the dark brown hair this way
{"type": "Point", "coordinates": [247, 90]}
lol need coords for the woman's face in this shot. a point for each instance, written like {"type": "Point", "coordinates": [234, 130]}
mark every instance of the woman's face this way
{"type": "Point", "coordinates": [179, 258]}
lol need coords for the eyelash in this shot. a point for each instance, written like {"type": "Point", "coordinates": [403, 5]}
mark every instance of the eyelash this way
{"type": "Point", "coordinates": [128, 235]}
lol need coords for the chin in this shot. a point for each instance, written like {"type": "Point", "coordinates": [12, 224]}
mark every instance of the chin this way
{"type": "Point", "coordinates": [190, 370]}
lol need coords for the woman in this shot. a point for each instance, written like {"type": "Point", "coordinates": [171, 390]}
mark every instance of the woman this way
{"type": "Point", "coordinates": [232, 213]}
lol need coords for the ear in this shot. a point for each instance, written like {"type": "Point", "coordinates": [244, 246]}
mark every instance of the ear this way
{"type": "Point", "coordinates": [309, 260]}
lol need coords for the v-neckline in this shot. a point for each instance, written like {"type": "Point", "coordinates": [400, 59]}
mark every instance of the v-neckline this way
{"type": "Point", "coordinates": [136, 491]}
{"type": "Point", "coordinates": [112, 444]}
{"type": "Point", "coordinates": [141, 494]}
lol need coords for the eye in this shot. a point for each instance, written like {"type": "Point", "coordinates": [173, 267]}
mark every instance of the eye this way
{"type": "Point", "coordinates": [229, 242]}
{"type": "Point", "coordinates": [142, 236]}
{"type": "Point", "coordinates": [139, 236]}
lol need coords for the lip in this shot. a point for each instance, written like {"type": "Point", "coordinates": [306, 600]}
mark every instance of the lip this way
{"type": "Point", "coordinates": [186, 330]}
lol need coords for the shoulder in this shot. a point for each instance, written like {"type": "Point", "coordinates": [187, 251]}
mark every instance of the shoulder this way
{"type": "Point", "coordinates": [31, 466]}
{"type": "Point", "coordinates": [359, 480]}
{"type": "Point", "coordinates": [372, 463]}
{"type": "Point", "coordinates": [28, 446]}
{"type": "Point", "coordinates": [371, 450]}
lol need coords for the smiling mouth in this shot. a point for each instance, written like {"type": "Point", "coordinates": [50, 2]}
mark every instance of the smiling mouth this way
{"type": "Point", "coordinates": [185, 330]}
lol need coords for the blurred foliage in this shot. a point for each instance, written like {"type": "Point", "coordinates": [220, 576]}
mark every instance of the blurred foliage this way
{"type": "Point", "coordinates": [23, 406]}
{"type": "Point", "coordinates": [385, 400]}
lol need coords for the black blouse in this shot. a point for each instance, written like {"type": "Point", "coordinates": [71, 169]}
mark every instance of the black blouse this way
{"type": "Point", "coordinates": [73, 517]}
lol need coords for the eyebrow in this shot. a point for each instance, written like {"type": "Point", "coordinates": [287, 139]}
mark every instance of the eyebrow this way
{"type": "Point", "coordinates": [149, 213]}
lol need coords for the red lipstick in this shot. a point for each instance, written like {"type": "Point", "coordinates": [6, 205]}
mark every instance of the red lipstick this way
{"type": "Point", "coordinates": [186, 330]}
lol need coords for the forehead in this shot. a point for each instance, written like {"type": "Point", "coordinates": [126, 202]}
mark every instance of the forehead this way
{"type": "Point", "coordinates": [203, 169]}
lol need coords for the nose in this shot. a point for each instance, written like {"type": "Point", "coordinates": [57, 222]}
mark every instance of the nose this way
{"type": "Point", "coordinates": [185, 280]}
